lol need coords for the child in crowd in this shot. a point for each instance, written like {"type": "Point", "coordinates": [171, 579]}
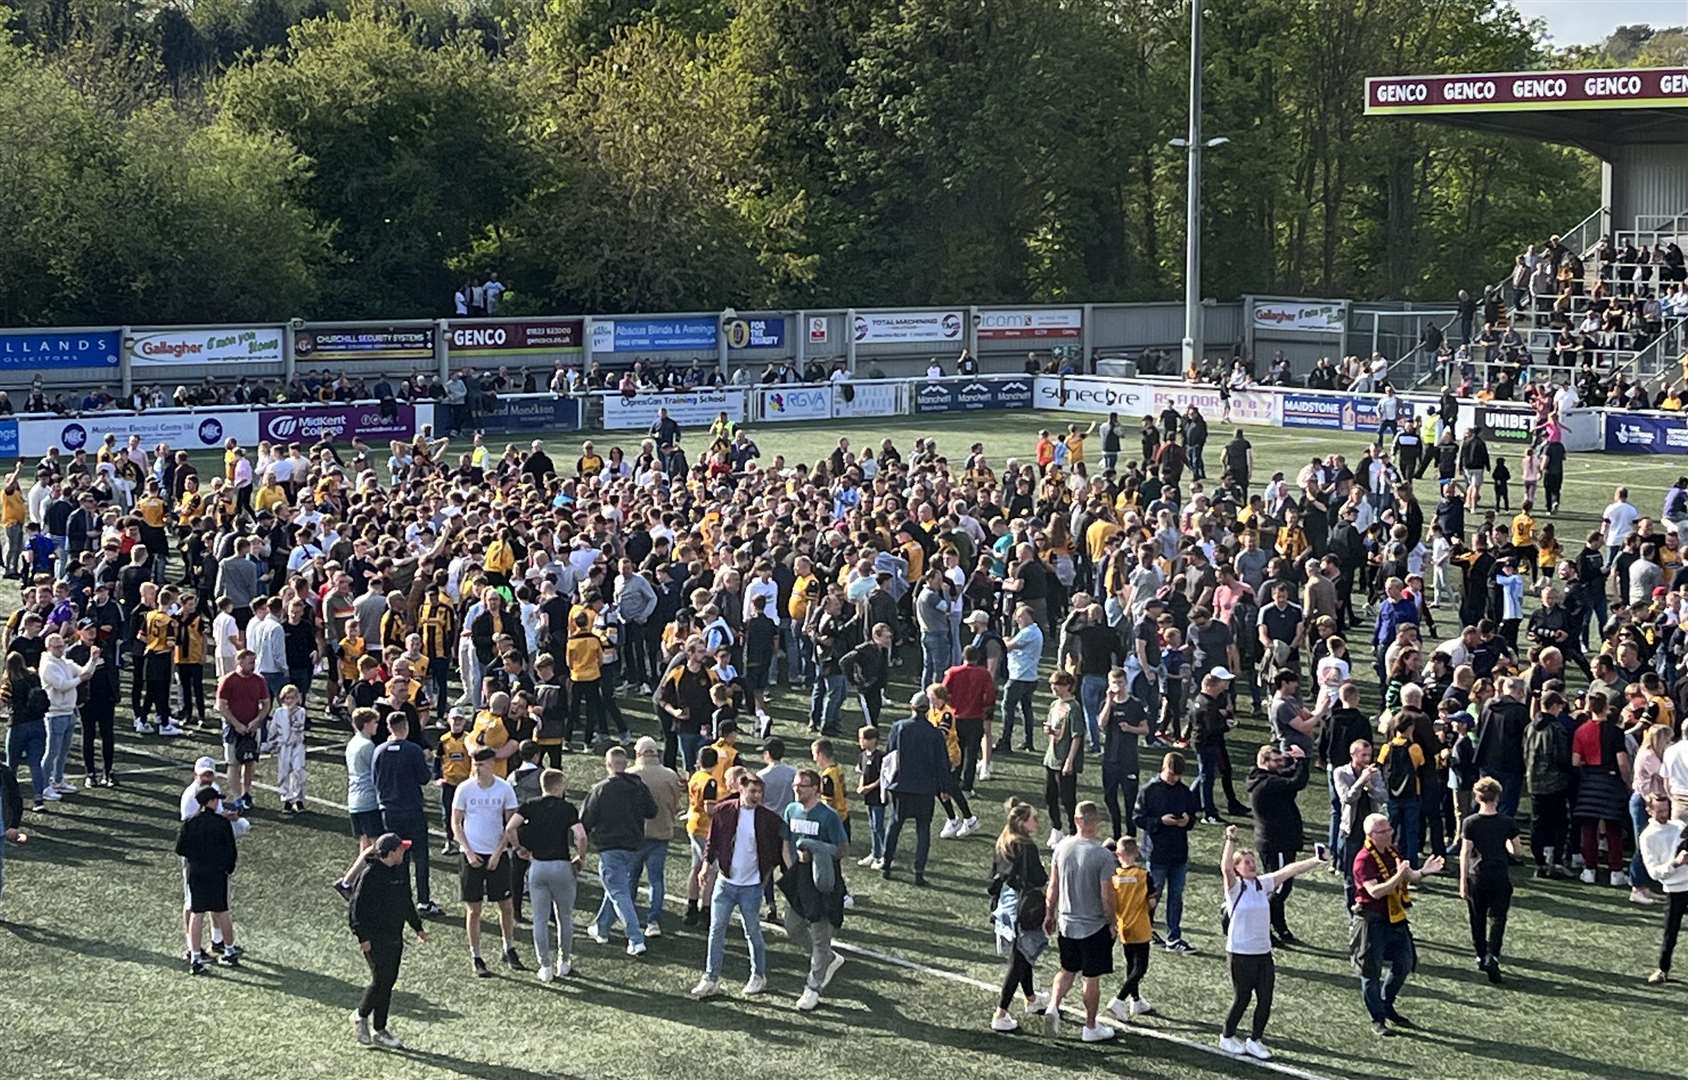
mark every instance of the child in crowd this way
{"type": "Point", "coordinates": [724, 711]}
{"type": "Point", "coordinates": [1133, 899]}
{"type": "Point", "coordinates": [868, 765]}
{"type": "Point", "coordinates": [1502, 477]}
{"type": "Point", "coordinates": [1175, 661]}
{"type": "Point", "coordinates": [287, 742]}
{"type": "Point", "coordinates": [452, 765]}
{"type": "Point", "coordinates": [1441, 556]}
{"type": "Point", "coordinates": [1462, 761]}
{"type": "Point", "coordinates": [702, 792]}
{"type": "Point", "coordinates": [833, 792]}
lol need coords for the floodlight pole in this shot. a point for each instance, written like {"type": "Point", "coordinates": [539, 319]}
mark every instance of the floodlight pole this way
{"type": "Point", "coordinates": [1193, 206]}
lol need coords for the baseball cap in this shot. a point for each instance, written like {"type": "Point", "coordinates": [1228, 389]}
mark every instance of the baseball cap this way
{"type": "Point", "coordinates": [1222, 673]}
{"type": "Point", "coordinates": [918, 701]}
{"type": "Point", "coordinates": [85, 624]}
{"type": "Point", "coordinates": [205, 764]}
{"type": "Point", "coordinates": [979, 617]}
{"type": "Point", "coordinates": [389, 843]}
{"type": "Point", "coordinates": [646, 746]}
{"type": "Point", "coordinates": [207, 795]}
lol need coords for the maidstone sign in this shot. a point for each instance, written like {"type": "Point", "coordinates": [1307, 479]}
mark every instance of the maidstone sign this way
{"type": "Point", "coordinates": [1406, 95]}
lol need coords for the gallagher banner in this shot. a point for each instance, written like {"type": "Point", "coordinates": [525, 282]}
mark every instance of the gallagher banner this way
{"type": "Point", "coordinates": [36, 350]}
{"type": "Point", "coordinates": [755, 333]}
{"type": "Point", "coordinates": [890, 327]}
{"type": "Point", "coordinates": [363, 343]}
{"type": "Point", "coordinates": [219, 345]}
{"type": "Point", "coordinates": [310, 424]}
{"type": "Point", "coordinates": [795, 403]}
{"type": "Point", "coordinates": [537, 337]}
{"type": "Point", "coordinates": [1299, 316]}
{"type": "Point", "coordinates": [652, 335]}
{"type": "Point", "coordinates": [1337, 412]}
{"type": "Point", "coordinates": [1524, 91]}
{"type": "Point", "coordinates": [1031, 323]}
{"type": "Point", "coordinates": [973, 395]}
{"type": "Point", "coordinates": [1634, 433]}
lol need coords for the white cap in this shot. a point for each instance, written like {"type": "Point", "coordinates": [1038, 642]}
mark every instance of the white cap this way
{"type": "Point", "coordinates": [204, 764]}
{"type": "Point", "coordinates": [1222, 673]}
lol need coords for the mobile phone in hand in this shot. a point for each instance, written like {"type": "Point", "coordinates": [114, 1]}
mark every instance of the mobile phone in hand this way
{"type": "Point", "coordinates": [1321, 851]}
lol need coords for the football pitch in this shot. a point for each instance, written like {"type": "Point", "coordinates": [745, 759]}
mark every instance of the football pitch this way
{"type": "Point", "coordinates": [90, 949]}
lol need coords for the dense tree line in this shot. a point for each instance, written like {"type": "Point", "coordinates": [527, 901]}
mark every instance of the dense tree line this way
{"type": "Point", "coordinates": [233, 159]}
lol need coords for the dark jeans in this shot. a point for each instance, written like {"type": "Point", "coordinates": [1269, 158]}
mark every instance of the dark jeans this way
{"type": "Point", "coordinates": [1388, 945]}
{"type": "Point", "coordinates": [1673, 926]}
{"type": "Point", "coordinates": [26, 744]}
{"type": "Point", "coordinates": [1547, 827]}
{"type": "Point", "coordinates": [1119, 792]}
{"type": "Point", "coordinates": [971, 733]}
{"type": "Point", "coordinates": [1018, 696]}
{"type": "Point", "coordinates": [1487, 904]}
{"type": "Point", "coordinates": [587, 697]}
{"type": "Point", "coordinates": [1207, 758]}
{"type": "Point", "coordinates": [1136, 966]}
{"type": "Point", "coordinates": [100, 717]}
{"type": "Point", "coordinates": [1511, 789]}
{"type": "Point", "coordinates": [917, 808]}
{"type": "Point", "coordinates": [157, 668]}
{"type": "Point", "coordinates": [1252, 976]}
{"type": "Point", "coordinates": [384, 957]}
{"type": "Point", "coordinates": [412, 825]}
{"type": "Point", "coordinates": [1060, 795]}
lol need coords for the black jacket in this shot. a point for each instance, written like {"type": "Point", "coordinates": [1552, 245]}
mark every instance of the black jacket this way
{"type": "Point", "coordinates": [867, 666]}
{"type": "Point", "coordinates": [1277, 818]}
{"type": "Point", "coordinates": [615, 810]}
{"type": "Point", "coordinates": [1171, 842]}
{"type": "Point", "coordinates": [11, 801]}
{"type": "Point", "coordinates": [1341, 730]}
{"type": "Point", "coordinates": [381, 903]}
{"type": "Point", "coordinates": [1500, 736]}
{"type": "Point", "coordinates": [206, 841]}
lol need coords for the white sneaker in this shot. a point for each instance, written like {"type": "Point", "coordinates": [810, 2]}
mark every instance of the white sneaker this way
{"type": "Point", "coordinates": [564, 966]}
{"type": "Point", "coordinates": [387, 1040]}
{"type": "Point", "coordinates": [849, 901]}
{"type": "Point", "coordinates": [597, 935]}
{"type": "Point", "coordinates": [984, 770]}
{"type": "Point", "coordinates": [1119, 1010]}
{"type": "Point", "coordinates": [635, 948]}
{"type": "Point", "coordinates": [951, 828]}
{"type": "Point", "coordinates": [1004, 1022]}
{"type": "Point", "coordinates": [1055, 837]}
{"type": "Point", "coordinates": [865, 860]}
{"type": "Point", "coordinates": [969, 827]}
{"type": "Point", "coordinates": [51, 795]}
{"type": "Point", "coordinates": [65, 787]}
{"type": "Point", "coordinates": [831, 970]}
{"type": "Point", "coordinates": [1141, 1007]}
{"type": "Point", "coordinates": [1038, 1003]}
{"type": "Point", "coordinates": [653, 930]}
{"type": "Point", "coordinates": [1642, 896]}
{"type": "Point", "coordinates": [809, 1001]}
{"type": "Point", "coordinates": [360, 1029]}
{"type": "Point", "coordinates": [706, 987]}
{"type": "Point", "coordinates": [172, 730]}
{"type": "Point", "coordinates": [143, 728]}
{"type": "Point", "coordinates": [1620, 879]}
{"type": "Point", "coordinates": [762, 716]}
{"type": "Point", "coordinates": [545, 973]}
{"type": "Point", "coordinates": [1051, 1022]}
{"type": "Point", "coordinates": [1586, 877]}
{"type": "Point", "coordinates": [755, 985]}
{"type": "Point", "coordinates": [1232, 1045]}
{"type": "Point", "coordinates": [1257, 1049]}
{"type": "Point", "coordinates": [878, 864]}
{"type": "Point", "coordinates": [1099, 1033]}
{"type": "Point", "coordinates": [1576, 860]}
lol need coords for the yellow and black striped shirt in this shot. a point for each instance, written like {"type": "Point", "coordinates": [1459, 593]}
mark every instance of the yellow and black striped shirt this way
{"type": "Point", "coordinates": [158, 631]}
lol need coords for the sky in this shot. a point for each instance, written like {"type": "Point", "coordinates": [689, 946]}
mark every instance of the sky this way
{"type": "Point", "coordinates": [1585, 22]}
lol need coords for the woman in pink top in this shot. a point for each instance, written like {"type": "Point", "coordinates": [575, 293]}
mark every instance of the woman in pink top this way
{"type": "Point", "coordinates": [1647, 781]}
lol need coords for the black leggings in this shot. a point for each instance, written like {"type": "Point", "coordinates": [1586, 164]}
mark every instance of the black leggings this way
{"type": "Point", "coordinates": [971, 733]}
{"type": "Point", "coordinates": [1060, 794]}
{"type": "Point", "coordinates": [1018, 977]}
{"type": "Point", "coordinates": [588, 697]}
{"type": "Point", "coordinates": [958, 801]}
{"type": "Point", "coordinates": [1119, 791]}
{"type": "Point", "coordinates": [100, 716]}
{"type": "Point", "coordinates": [1487, 904]}
{"type": "Point", "coordinates": [1251, 976]}
{"type": "Point", "coordinates": [1547, 827]}
{"type": "Point", "coordinates": [383, 958]}
{"type": "Point", "coordinates": [192, 679]}
{"type": "Point", "coordinates": [1673, 925]}
{"type": "Point", "coordinates": [1136, 966]}
{"type": "Point", "coordinates": [156, 687]}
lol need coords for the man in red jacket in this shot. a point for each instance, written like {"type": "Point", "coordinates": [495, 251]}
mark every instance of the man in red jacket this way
{"type": "Point", "coordinates": [746, 842]}
{"type": "Point", "coordinates": [973, 697]}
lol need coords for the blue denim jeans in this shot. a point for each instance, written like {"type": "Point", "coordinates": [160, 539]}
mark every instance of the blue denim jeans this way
{"type": "Point", "coordinates": [1638, 875]}
{"type": "Point", "coordinates": [1387, 944]}
{"type": "Point", "coordinates": [935, 656]}
{"type": "Point", "coordinates": [1334, 837]}
{"type": "Point", "coordinates": [689, 746]}
{"type": "Point", "coordinates": [799, 654]}
{"type": "Point", "coordinates": [1169, 882]}
{"type": "Point", "coordinates": [1093, 692]}
{"type": "Point", "coordinates": [876, 830]}
{"type": "Point", "coordinates": [826, 701]}
{"type": "Point", "coordinates": [653, 862]}
{"type": "Point", "coordinates": [1405, 815]}
{"type": "Point", "coordinates": [1207, 774]}
{"type": "Point", "coordinates": [60, 728]}
{"type": "Point", "coordinates": [747, 899]}
{"type": "Point", "coordinates": [616, 867]}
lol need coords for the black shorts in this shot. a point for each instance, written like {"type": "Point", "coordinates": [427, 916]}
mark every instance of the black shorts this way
{"type": "Point", "coordinates": [1088, 956]}
{"type": "Point", "coordinates": [207, 893]}
{"type": "Point", "coordinates": [478, 883]}
{"type": "Point", "coordinates": [367, 823]}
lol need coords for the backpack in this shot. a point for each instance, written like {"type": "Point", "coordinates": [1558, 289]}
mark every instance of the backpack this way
{"type": "Point", "coordinates": [1399, 774]}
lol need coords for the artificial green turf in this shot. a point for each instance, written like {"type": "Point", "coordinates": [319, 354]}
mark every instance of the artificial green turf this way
{"type": "Point", "coordinates": [95, 986]}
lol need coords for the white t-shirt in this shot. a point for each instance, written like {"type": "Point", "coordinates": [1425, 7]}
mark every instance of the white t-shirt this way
{"type": "Point", "coordinates": [224, 631]}
{"type": "Point", "coordinates": [745, 869]}
{"type": "Point", "coordinates": [1619, 519]}
{"type": "Point", "coordinates": [483, 812]}
{"type": "Point", "coordinates": [1250, 932]}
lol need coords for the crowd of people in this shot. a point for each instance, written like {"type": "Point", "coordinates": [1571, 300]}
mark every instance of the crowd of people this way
{"type": "Point", "coordinates": [472, 616]}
